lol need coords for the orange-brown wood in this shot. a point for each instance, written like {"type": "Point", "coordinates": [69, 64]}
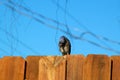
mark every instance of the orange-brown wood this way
{"type": "Point", "coordinates": [70, 67]}
{"type": "Point", "coordinates": [75, 67]}
{"type": "Point", "coordinates": [32, 67]}
{"type": "Point", "coordinates": [12, 68]}
{"type": "Point", "coordinates": [52, 68]}
{"type": "Point", "coordinates": [115, 75]}
{"type": "Point", "coordinates": [97, 67]}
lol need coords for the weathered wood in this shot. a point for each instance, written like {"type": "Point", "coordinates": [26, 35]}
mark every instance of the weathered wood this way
{"type": "Point", "coordinates": [115, 75]}
{"type": "Point", "coordinates": [12, 68]}
{"type": "Point", "coordinates": [32, 67]}
{"type": "Point", "coordinates": [75, 67]}
{"type": "Point", "coordinates": [52, 68]}
{"type": "Point", "coordinates": [97, 67]}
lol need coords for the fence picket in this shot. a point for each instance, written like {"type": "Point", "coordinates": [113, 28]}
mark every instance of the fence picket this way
{"type": "Point", "coordinates": [52, 68]}
{"type": "Point", "coordinates": [32, 67]}
{"type": "Point", "coordinates": [75, 67]}
{"type": "Point", "coordinates": [12, 68]}
{"type": "Point", "coordinates": [115, 75]}
{"type": "Point", "coordinates": [97, 67]}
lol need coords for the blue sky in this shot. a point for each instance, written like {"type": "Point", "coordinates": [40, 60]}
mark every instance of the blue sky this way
{"type": "Point", "coordinates": [22, 35]}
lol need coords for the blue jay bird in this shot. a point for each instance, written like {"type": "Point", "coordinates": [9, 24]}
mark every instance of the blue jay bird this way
{"type": "Point", "coordinates": [64, 46]}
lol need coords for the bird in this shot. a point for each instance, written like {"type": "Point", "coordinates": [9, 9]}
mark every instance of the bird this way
{"type": "Point", "coordinates": [64, 45]}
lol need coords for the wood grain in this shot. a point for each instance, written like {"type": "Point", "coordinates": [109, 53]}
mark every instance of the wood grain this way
{"type": "Point", "coordinates": [32, 67]}
{"type": "Point", "coordinates": [75, 67]}
{"type": "Point", "coordinates": [12, 68]}
{"type": "Point", "coordinates": [97, 67]}
{"type": "Point", "coordinates": [115, 75]}
{"type": "Point", "coordinates": [52, 68]}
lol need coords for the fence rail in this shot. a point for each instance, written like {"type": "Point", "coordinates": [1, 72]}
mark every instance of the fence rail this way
{"type": "Point", "coordinates": [73, 67]}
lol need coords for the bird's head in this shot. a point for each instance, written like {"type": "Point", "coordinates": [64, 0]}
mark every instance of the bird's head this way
{"type": "Point", "coordinates": [62, 40]}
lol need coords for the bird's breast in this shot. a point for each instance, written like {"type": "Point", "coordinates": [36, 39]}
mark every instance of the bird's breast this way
{"type": "Point", "coordinates": [62, 49]}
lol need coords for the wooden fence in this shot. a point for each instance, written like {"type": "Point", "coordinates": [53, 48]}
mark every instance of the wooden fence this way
{"type": "Point", "coordinates": [73, 67]}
